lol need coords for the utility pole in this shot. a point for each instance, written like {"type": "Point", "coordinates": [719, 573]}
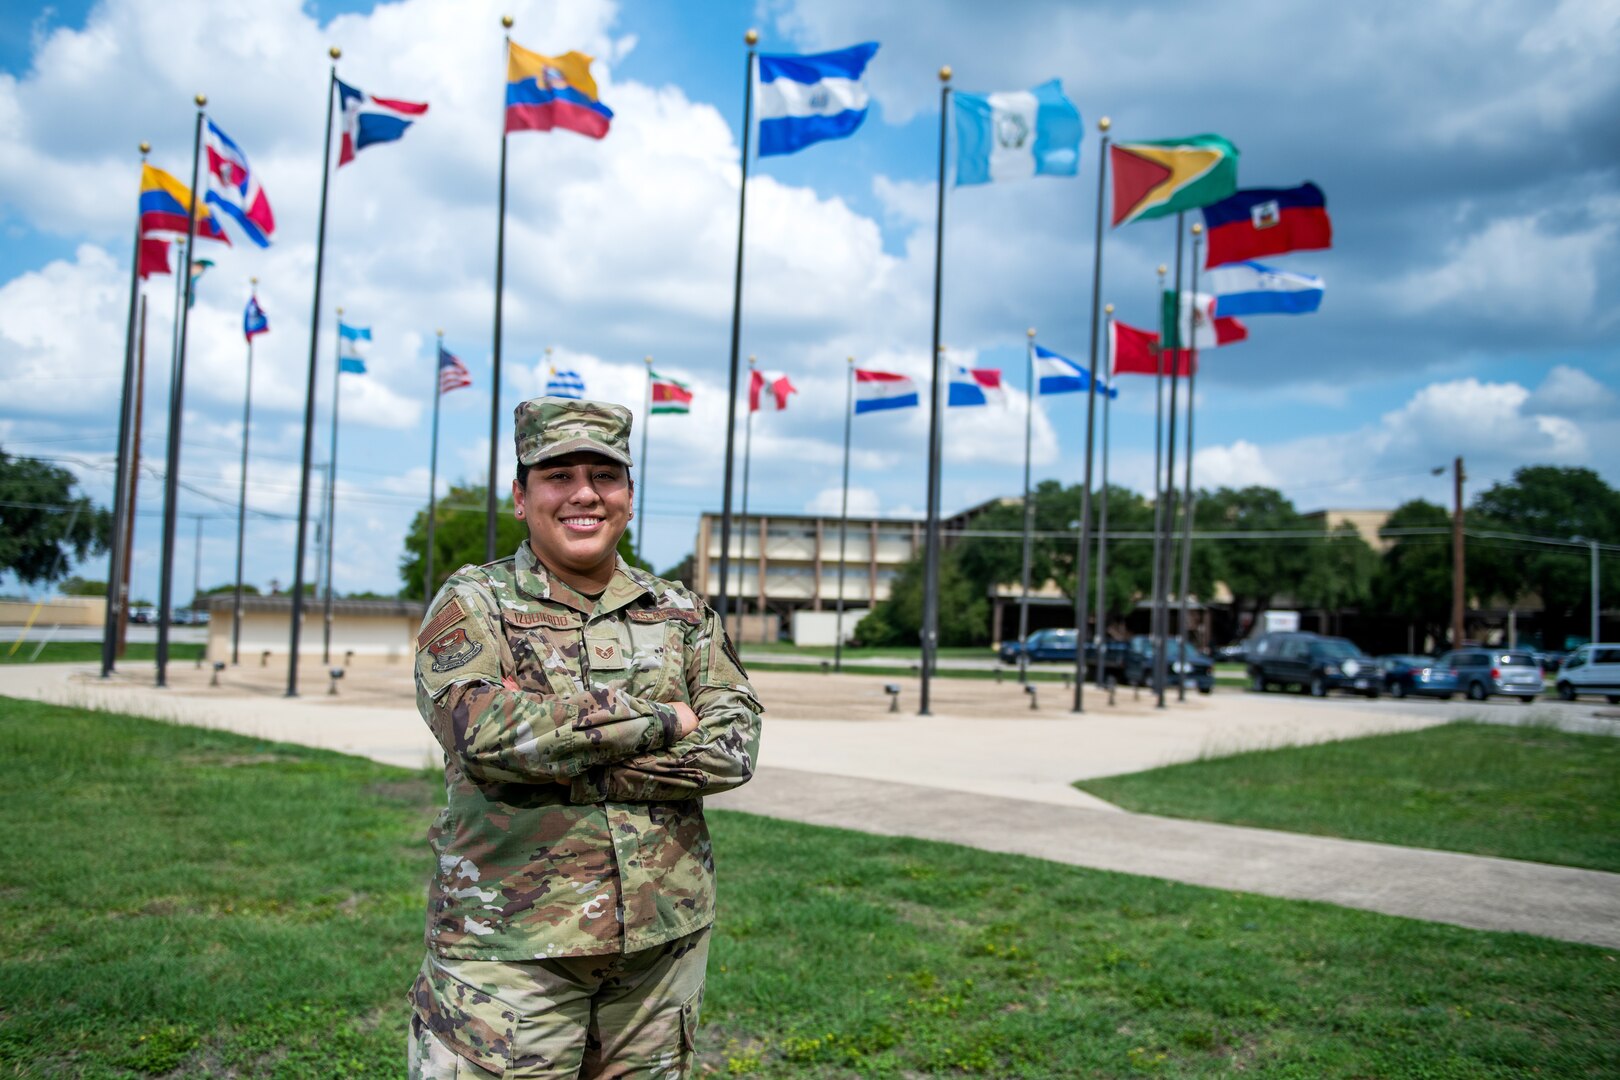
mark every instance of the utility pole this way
{"type": "Point", "coordinates": [1593, 544]}
{"type": "Point", "coordinates": [1457, 566]}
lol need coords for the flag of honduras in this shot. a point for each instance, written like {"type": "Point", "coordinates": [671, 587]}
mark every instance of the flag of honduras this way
{"type": "Point", "coordinates": [1058, 374]}
{"type": "Point", "coordinates": [973, 386]}
{"type": "Point", "coordinates": [1250, 288]}
{"type": "Point", "coordinates": [805, 99]}
{"type": "Point", "coordinates": [1016, 134]}
{"type": "Point", "coordinates": [875, 390]}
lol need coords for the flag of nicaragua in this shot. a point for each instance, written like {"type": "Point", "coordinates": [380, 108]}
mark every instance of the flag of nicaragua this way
{"type": "Point", "coordinates": [1251, 288]}
{"type": "Point", "coordinates": [368, 120]}
{"type": "Point", "coordinates": [879, 390]}
{"type": "Point", "coordinates": [1016, 134]}
{"type": "Point", "coordinates": [353, 343]}
{"type": "Point", "coordinates": [973, 386]}
{"type": "Point", "coordinates": [234, 187]}
{"type": "Point", "coordinates": [1059, 375]}
{"type": "Point", "coordinates": [805, 99]}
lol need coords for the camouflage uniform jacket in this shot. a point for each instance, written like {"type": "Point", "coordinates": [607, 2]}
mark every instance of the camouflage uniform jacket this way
{"type": "Point", "coordinates": [574, 819]}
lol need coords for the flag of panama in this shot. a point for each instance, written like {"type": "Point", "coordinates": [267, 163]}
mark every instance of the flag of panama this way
{"type": "Point", "coordinates": [368, 120]}
{"type": "Point", "coordinates": [1267, 221]}
{"type": "Point", "coordinates": [234, 187]}
{"type": "Point", "coordinates": [973, 386]}
{"type": "Point", "coordinates": [879, 390]}
{"type": "Point", "coordinates": [778, 385]}
{"type": "Point", "coordinates": [1251, 288]}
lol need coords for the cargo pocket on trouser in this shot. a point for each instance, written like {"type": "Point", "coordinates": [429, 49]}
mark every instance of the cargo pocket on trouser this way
{"type": "Point", "coordinates": [471, 1023]}
{"type": "Point", "coordinates": [690, 1008]}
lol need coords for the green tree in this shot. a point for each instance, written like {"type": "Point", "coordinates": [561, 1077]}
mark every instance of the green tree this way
{"type": "Point", "coordinates": [1256, 571]}
{"type": "Point", "coordinates": [1414, 577]}
{"type": "Point", "coordinates": [248, 589]}
{"type": "Point", "coordinates": [964, 610]}
{"type": "Point", "coordinates": [1339, 571]}
{"type": "Point", "coordinates": [78, 586]}
{"type": "Point", "coordinates": [44, 523]}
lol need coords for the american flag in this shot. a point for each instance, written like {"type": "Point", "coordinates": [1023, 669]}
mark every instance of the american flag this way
{"type": "Point", "coordinates": [453, 374]}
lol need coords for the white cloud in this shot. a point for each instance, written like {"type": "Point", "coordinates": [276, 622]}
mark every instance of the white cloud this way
{"type": "Point", "coordinates": [1569, 391]}
{"type": "Point", "coordinates": [863, 502]}
{"type": "Point", "coordinates": [1239, 465]}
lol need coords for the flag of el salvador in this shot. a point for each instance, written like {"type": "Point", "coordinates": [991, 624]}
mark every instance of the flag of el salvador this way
{"type": "Point", "coordinates": [878, 390]}
{"type": "Point", "coordinates": [1251, 288]}
{"type": "Point", "coordinates": [805, 99]}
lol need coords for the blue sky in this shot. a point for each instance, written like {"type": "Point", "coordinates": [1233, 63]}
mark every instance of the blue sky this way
{"type": "Point", "coordinates": [1467, 157]}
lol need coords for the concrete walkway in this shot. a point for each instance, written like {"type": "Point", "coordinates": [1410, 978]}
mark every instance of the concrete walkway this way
{"type": "Point", "coordinates": [985, 771]}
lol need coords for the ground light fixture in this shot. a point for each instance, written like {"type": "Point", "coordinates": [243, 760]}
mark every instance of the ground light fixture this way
{"type": "Point", "coordinates": [337, 674]}
{"type": "Point", "coordinates": [1029, 688]}
{"type": "Point", "coordinates": [893, 690]}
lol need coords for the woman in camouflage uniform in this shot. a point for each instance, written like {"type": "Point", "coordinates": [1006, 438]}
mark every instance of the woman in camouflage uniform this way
{"type": "Point", "coordinates": [585, 707]}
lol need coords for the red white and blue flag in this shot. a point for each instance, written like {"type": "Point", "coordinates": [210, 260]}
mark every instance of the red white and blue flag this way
{"type": "Point", "coordinates": [234, 188]}
{"type": "Point", "coordinates": [973, 386]}
{"type": "Point", "coordinates": [1267, 221]}
{"type": "Point", "coordinates": [878, 390]}
{"type": "Point", "coordinates": [368, 120]}
{"type": "Point", "coordinates": [254, 320]}
{"type": "Point", "coordinates": [453, 374]}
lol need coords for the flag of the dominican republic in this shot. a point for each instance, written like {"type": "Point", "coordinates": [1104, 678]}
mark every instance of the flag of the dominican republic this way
{"type": "Point", "coordinates": [805, 99]}
{"type": "Point", "coordinates": [769, 390]}
{"type": "Point", "coordinates": [353, 343]}
{"type": "Point", "coordinates": [878, 390]}
{"type": "Point", "coordinates": [368, 120]}
{"type": "Point", "coordinates": [1059, 375]}
{"type": "Point", "coordinates": [545, 92]}
{"type": "Point", "coordinates": [1267, 221]}
{"type": "Point", "coordinates": [234, 187]}
{"type": "Point", "coordinates": [453, 374]}
{"type": "Point", "coordinates": [1251, 288]}
{"type": "Point", "coordinates": [1136, 352]}
{"type": "Point", "coordinates": [254, 320]}
{"type": "Point", "coordinates": [669, 395]}
{"type": "Point", "coordinates": [566, 384]}
{"type": "Point", "coordinates": [1193, 324]}
{"type": "Point", "coordinates": [972, 386]}
{"type": "Point", "coordinates": [163, 208]}
{"type": "Point", "coordinates": [1016, 134]}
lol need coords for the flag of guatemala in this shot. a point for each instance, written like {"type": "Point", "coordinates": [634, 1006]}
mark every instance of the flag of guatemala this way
{"type": "Point", "coordinates": [1016, 134]}
{"type": "Point", "coordinates": [1251, 288]}
{"type": "Point", "coordinates": [805, 99]}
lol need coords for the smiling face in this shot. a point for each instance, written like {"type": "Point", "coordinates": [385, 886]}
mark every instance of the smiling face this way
{"type": "Point", "coordinates": [576, 507]}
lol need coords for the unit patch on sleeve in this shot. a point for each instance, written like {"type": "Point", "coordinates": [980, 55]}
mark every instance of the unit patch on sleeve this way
{"type": "Point", "coordinates": [442, 620]}
{"type": "Point", "coordinates": [453, 649]}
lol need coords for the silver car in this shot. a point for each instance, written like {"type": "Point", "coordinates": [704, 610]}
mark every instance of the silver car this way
{"type": "Point", "coordinates": [1482, 672]}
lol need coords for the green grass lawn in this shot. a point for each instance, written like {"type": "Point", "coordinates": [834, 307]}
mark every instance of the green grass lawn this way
{"type": "Point", "coordinates": [1518, 792]}
{"type": "Point", "coordinates": [863, 652]}
{"type": "Point", "coordinates": [188, 903]}
{"type": "Point", "coordinates": [89, 652]}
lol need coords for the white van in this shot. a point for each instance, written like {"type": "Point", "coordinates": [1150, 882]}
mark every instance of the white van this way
{"type": "Point", "coordinates": [1591, 669]}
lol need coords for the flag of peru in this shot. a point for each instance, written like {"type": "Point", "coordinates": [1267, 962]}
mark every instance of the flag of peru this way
{"type": "Point", "coordinates": [768, 390]}
{"type": "Point", "coordinates": [234, 187]}
{"type": "Point", "coordinates": [879, 390]}
{"type": "Point", "coordinates": [973, 386]}
{"type": "Point", "coordinates": [1267, 221]}
{"type": "Point", "coordinates": [368, 120]}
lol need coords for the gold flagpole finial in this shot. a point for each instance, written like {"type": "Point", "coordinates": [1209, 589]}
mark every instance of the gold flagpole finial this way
{"type": "Point", "coordinates": [335, 53]}
{"type": "Point", "coordinates": [1163, 269]}
{"type": "Point", "coordinates": [146, 148]}
{"type": "Point", "coordinates": [751, 361]}
{"type": "Point", "coordinates": [340, 311]}
{"type": "Point", "coordinates": [852, 361]}
{"type": "Point", "coordinates": [1198, 228]}
{"type": "Point", "coordinates": [253, 281]}
{"type": "Point", "coordinates": [945, 73]}
{"type": "Point", "coordinates": [1104, 124]}
{"type": "Point", "coordinates": [648, 361]}
{"type": "Point", "coordinates": [1108, 309]}
{"type": "Point", "coordinates": [201, 99]}
{"type": "Point", "coordinates": [506, 21]}
{"type": "Point", "coordinates": [439, 332]}
{"type": "Point", "coordinates": [751, 37]}
{"type": "Point", "coordinates": [1032, 332]}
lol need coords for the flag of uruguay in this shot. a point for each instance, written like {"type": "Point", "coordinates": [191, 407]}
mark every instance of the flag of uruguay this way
{"type": "Point", "coordinates": [876, 390]}
{"type": "Point", "coordinates": [1016, 134]}
{"type": "Point", "coordinates": [805, 99]}
{"type": "Point", "coordinates": [565, 384]}
{"type": "Point", "coordinates": [1251, 288]}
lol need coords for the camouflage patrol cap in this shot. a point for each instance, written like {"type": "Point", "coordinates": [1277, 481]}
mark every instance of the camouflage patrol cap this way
{"type": "Point", "coordinates": [550, 427]}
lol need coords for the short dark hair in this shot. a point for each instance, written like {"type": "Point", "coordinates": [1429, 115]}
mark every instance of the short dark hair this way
{"type": "Point", "coordinates": [523, 474]}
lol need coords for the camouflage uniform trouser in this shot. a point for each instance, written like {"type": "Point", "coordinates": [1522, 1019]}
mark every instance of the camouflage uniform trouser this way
{"type": "Point", "coordinates": [610, 1017]}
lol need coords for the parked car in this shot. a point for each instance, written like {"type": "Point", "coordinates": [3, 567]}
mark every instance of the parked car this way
{"type": "Point", "coordinates": [1482, 672]}
{"type": "Point", "coordinates": [1401, 671]}
{"type": "Point", "coordinates": [1591, 669]}
{"type": "Point", "coordinates": [1186, 664]}
{"type": "Point", "coordinates": [1313, 663]}
{"type": "Point", "coordinates": [142, 613]}
{"type": "Point", "coordinates": [1055, 645]}
{"type": "Point", "coordinates": [1231, 654]}
{"type": "Point", "coordinates": [1551, 660]}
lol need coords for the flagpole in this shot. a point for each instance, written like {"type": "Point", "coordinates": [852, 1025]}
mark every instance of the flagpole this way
{"type": "Point", "coordinates": [1082, 577]}
{"type": "Point", "coordinates": [1162, 653]}
{"type": "Point", "coordinates": [241, 500]}
{"type": "Point", "coordinates": [309, 391]}
{"type": "Point", "coordinates": [1029, 515]}
{"type": "Point", "coordinates": [748, 453]}
{"type": "Point", "coordinates": [1102, 524]}
{"type": "Point", "coordinates": [115, 556]}
{"type": "Point", "coordinates": [1187, 499]}
{"type": "Point", "coordinates": [646, 422]}
{"type": "Point", "coordinates": [433, 468]}
{"type": "Point", "coordinates": [331, 493]}
{"type": "Point", "coordinates": [1158, 469]}
{"type": "Point", "coordinates": [495, 366]}
{"type": "Point", "coordinates": [723, 601]}
{"type": "Point", "coordinates": [177, 397]}
{"type": "Point", "coordinates": [843, 522]}
{"type": "Point", "coordinates": [930, 626]}
{"type": "Point", "coordinates": [134, 475]}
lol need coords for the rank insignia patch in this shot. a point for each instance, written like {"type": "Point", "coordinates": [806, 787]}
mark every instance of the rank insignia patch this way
{"type": "Point", "coordinates": [453, 649]}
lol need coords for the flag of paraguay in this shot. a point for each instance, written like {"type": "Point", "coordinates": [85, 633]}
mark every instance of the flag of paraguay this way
{"type": "Point", "coordinates": [368, 119]}
{"type": "Point", "coordinates": [877, 390]}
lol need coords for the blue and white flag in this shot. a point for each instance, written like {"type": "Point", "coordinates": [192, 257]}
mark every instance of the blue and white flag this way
{"type": "Point", "coordinates": [1016, 134]}
{"type": "Point", "coordinates": [805, 99]}
{"type": "Point", "coordinates": [1059, 375]}
{"type": "Point", "coordinates": [1251, 288]}
{"type": "Point", "coordinates": [973, 386]}
{"type": "Point", "coordinates": [566, 384]}
{"type": "Point", "coordinates": [353, 343]}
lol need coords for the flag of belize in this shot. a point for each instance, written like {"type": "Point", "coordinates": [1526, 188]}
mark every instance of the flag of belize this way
{"type": "Point", "coordinates": [1267, 221]}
